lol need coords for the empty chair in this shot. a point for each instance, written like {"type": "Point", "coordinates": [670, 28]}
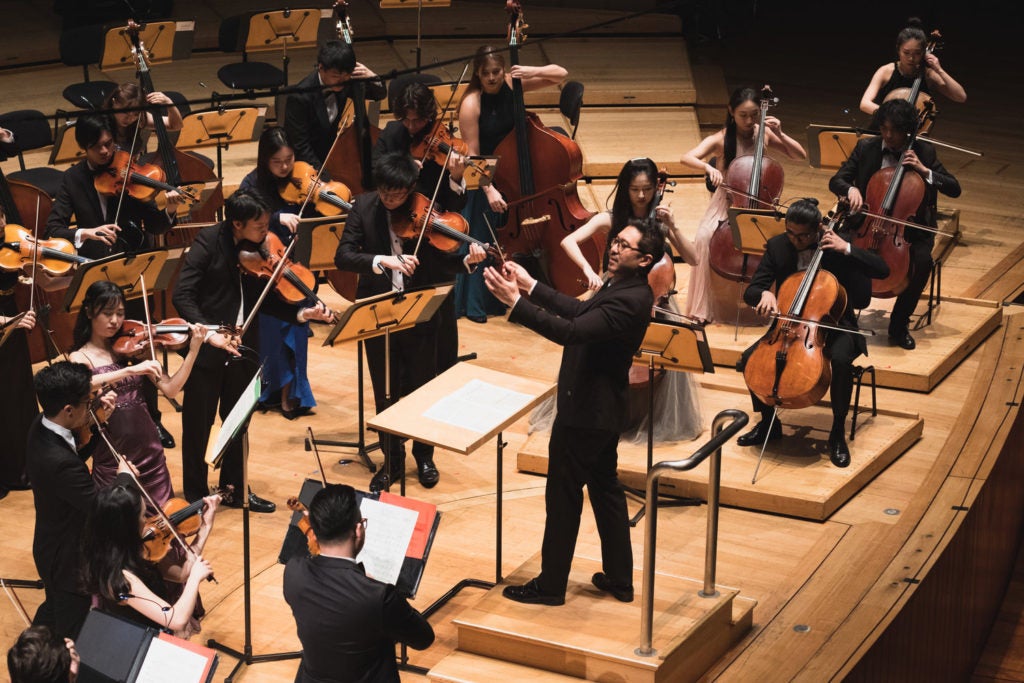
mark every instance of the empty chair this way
{"type": "Point", "coordinates": [82, 46]}
{"type": "Point", "coordinates": [31, 131]}
{"type": "Point", "coordinates": [569, 104]}
{"type": "Point", "coordinates": [234, 36]}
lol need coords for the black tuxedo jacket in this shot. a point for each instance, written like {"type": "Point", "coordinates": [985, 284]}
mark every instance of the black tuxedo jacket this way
{"type": "Point", "coordinates": [77, 195]}
{"type": "Point", "coordinates": [63, 491]}
{"type": "Point", "coordinates": [854, 272]}
{"type": "Point", "coordinates": [866, 158]}
{"type": "Point", "coordinates": [366, 235]}
{"type": "Point", "coordinates": [211, 287]}
{"type": "Point", "coordinates": [306, 123]}
{"type": "Point", "coordinates": [395, 138]}
{"type": "Point", "coordinates": [348, 623]}
{"type": "Point", "coordinates": [600, 336]}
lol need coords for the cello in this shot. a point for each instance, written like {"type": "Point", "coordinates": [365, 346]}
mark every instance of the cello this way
{"type": "Point", "coordinates": [538, 177]}
{"type": "Point", "coordinates": [922, 101]}
{"type": "Point", "coordinates": [762, 177]}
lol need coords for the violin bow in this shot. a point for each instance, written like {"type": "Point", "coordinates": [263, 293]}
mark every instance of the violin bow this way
{"type": "Point", "coordinates": [433, 202]}
{"type": "Point", "coordinates": [149, 320]}
{"type": "Point", "coordinates": [35, 260]}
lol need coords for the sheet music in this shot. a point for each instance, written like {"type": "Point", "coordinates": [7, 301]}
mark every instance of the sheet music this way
{"type": "Point", "coordinates": [477, 406]}
{"type": "Point", "coordinates": [168, 663]}
{"type": "Point", "coordinates": [388, 532]}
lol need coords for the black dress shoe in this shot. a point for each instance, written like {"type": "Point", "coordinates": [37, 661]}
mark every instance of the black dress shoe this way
{"type": "Point", "coordinates": [166, 440]}
{"type": "Point", "coordinates": [756, 436]}
{"type": "Point", "coordinates": [531, 594]}
{"type": "Point", "coordinates": [477, 318]}
{"type": "Point", "coordinates": [604, 584]}
{"type": "Point", "coordinates": [902, 340]}
{"type": "Point", "coordinates": [427, 473]}
{"type": "Point", "coordinates": [838, 452]}
{"type": "Point", "coordinates": [256, 504]}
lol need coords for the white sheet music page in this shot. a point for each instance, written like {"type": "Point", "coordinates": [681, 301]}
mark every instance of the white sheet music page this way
{"type": "Point", "coordinates": [477, 406]}
{"type": "Point", "coordinates": [167, 663]}
{"type": "Point", "coordinates": [388, 532]}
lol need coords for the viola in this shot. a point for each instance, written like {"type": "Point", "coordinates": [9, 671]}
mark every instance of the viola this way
{"type": "Point", "coordinates": [304, 526]}
{"type": "Point", "coordinates": [99, 413]}
{"type": "Point", "coordinates": [922, 101]}
{"type": "Point", "coordinates": [184, 516]}
{"type": "Point", "coordinates": [295, 283]}
{"type": "Point", "coordinates": [790, 367]}
{"type": "Point", "coordinates": [55, 256]}
{"type": "Point", "coordinates": [436, 143]}
{"type": "Point", "coordinates": [445, 230]}
{"type": "Point", "coordinates": [143, 180]}
{"type": "Point", "coordinates": [329, 198]}
{"type": "Point", "coordinates": [763, 178]}
{"type": "Point", "coordinates": [134, 337]}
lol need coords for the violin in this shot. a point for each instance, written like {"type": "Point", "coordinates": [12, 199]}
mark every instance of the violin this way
{"type": "Point", "coordinates": [304, 525]}
{"type": "Point", "coordinates": [445, 230]}
{"type": "Point", "coordinates": [134, 338]}
{"type": "Point", "coordinates": [790, 367]}
{"type": "Point", "coordinates": [329, 198]}
{"type": "Point", "coordinates": [141, 181]}
{"type": "Point", "coordinates": [55, 256]}
{"type": "Point", "coordinates": [184, 516]}
{"type": "Point", "coordinates": [922, 101]}
{"type": "Point", "coordinates": [763, 178]}
{"type": "Point", "coordinates": [436, 144]}
{"type": "Point", "coordinates": [296, 282]}
{"type": "Point", "coordinates": [100, 415]}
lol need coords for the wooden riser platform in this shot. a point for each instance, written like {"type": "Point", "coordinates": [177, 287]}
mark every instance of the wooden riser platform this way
{"type": "Point", "coordinates": [690, 632]}
{"type": "Point", "coordinates": [796, 477]}
{"type": "Point", "coordinates": [958, 327]}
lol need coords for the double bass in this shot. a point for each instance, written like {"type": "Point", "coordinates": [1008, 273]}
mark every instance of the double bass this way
{"type": "Point", "coordinates": [762, 177]}
{"type": "Point", "coordinates": [922, 101]}
{"type": "Point", "coordinates": [537, 176]}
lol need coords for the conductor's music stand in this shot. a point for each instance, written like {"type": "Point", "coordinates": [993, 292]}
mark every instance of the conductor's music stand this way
{"type": "Point", "coordinates": [419, 5]}
{"type": "Point", "coordinates": [121, 269]}
{"type": "Point", "coordinates": [234, 426]}
{"type": "Point", "coordinates": [221, 127]}
{"type": "Point", "coordinates": [385, 314]}
{"type": "Point", "coordinates": [829, 146]}
{"type": "Point", "coordinates": [672, 347]}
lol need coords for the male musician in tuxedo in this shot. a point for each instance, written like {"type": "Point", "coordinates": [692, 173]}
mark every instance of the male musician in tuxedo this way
{"type": "Point", "coordinates": [854, 268]}
{"type": "Point", "coordinates": [600, 336]}
{"type": "Point", "coordinates": [348, 623]}
{"type": "Point", "coordinates": [897, 121]}
{"type": "Point", "coordinates": [213, 290]}
{"type": "Point", "coordinates": [96, 234]}
{"type": "Point", "coordinates": [415, 111]}
{"type": "Point", "coordinates": [386, 263]}
{"type": "Point", "coordinates": [311, 117]}
{"type": "Point", "coordinates": [63, 491]}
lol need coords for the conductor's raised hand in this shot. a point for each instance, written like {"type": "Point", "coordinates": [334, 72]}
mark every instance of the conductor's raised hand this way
{"type": "Point", "coordinates": [516, 272]}
{"type": "Point", "coordinates": [503, 288]}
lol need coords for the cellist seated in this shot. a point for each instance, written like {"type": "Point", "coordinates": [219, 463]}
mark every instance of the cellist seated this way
{"type": "Point", "coordinates": [853, 267]}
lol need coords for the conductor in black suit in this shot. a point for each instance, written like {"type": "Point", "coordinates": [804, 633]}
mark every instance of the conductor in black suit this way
{"type": "Point", "coordinates": [348, 623]}
{"type": "Point", "coordinates": [600, 336]}
{"type": "Point", "coordinates": [897, 121]}
{"type": "Point", "coordinates": [212, 289]}
{"type": "Point", "coordinates": [311, 117]}
{"type": "Point", "coordinates": [63, 491]}
{"type": "Point", "coordinates": [385, 263]}
{"type": "Point", "coordinates": [854, 268]}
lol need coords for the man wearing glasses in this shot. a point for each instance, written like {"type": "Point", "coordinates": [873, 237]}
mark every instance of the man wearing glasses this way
{"type": "Point", "coordinates": [348, 623]}
{"type": "Point", "coordinates": [600, 336]}
{"type": "Point", "coordinates": [854, 268]}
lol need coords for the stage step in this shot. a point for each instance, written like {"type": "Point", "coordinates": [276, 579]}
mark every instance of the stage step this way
{"type": "Point", "coordinates": [690, 632]}
{"type": "Point", "coordinates": [465, 667]}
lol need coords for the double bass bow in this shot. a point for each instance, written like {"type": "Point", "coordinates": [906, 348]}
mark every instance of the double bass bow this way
{"type": "Point", "coordinates": [762, 177]}
{"type": "Point", "coordinates": [538, 177]}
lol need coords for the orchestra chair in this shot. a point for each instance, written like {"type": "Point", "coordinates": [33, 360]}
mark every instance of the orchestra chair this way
{"type": "Point", "coordinates": [31, 130]}
{"type": "Point", "coordinates": [858, 377]}
{"type": "Point", "coordinates": [570, 102]}
{"type": "Point", "coordinates": [82, 46]}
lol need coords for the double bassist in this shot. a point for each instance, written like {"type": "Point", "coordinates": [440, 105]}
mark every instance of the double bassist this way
{"type": "Point", "coordinates": [129, 132]}
{"type": "Point", "coordinates": [853, 267]}
{"type": "Point", "coordinates": [897, 123]}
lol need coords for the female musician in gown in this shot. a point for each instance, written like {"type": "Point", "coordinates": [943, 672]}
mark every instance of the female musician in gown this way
{"type": "Point", "coordinates": [124, 582]}
{"type": "Point", "coordinates": [677, 412]}
{"type": "Point", "coordinates": [910, 59]}
{"type": "Point", "coordinates": [710, 297]}
{"type": "Point", "coordinates": [283, 345]}
{"type": "Point", "coordinates": [123, 124]}
{"type": "Point", "coordinates": [486, 116]}
{"type": "Point", "coordinates": [130, 427]}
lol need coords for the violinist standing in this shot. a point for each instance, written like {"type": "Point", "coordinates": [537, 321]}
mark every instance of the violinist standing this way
{"type": "Point", "coordinates": [415, 111]}
{"type": "Point", "coordinates": [486, 116]}
{"type": "Point", "coordinates": [897, 121]}
{"type": "Point", "coordinates": [213, 291]}
{"type": "Point", "coordinates": [911, 58]}
{"type": "Point", "coordinates": [853, 267]}
{"type": "Point", "coordinates": [284, 344]}
{"type": "Point", "coordinates": [63, 491]}
{"type": "Point", "coordinates": [130, 427]}
{"type": "Point", "coordinates": [312, 117]}
{"type": "Point", "coordinates": [369, 246]}
{"type": "Point", "coordinates": [600, 336]}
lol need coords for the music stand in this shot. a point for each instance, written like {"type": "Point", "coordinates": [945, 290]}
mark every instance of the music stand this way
{"type": "Point", "coordinates": [280, 28]}
{"type": "Point", "coordinates": [221, 127]}
{"type": "Point", "coordinates": [236, 425]}
{"type": "Point", "coordinates": [164, 41]}
{"type": "Point", "coordinates": [672, 347]}
{"type": "Point", "coordinates": [829, 146]}
{"type": "Point", "coordinates": [121, 269]}
{"type": "Point", "coordinates": [445, 91]}
{"type": "Point", "coordinates": [419, 4]}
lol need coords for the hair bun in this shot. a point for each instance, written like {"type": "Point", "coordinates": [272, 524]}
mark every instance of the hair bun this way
{"type": "Point", "coordinates": [812, 200]}
{"type": "Point", "coordinates": [914, 22]}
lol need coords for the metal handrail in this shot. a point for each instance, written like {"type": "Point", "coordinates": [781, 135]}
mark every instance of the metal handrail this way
{"type": "Point", "coordinates": [720, 434]}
